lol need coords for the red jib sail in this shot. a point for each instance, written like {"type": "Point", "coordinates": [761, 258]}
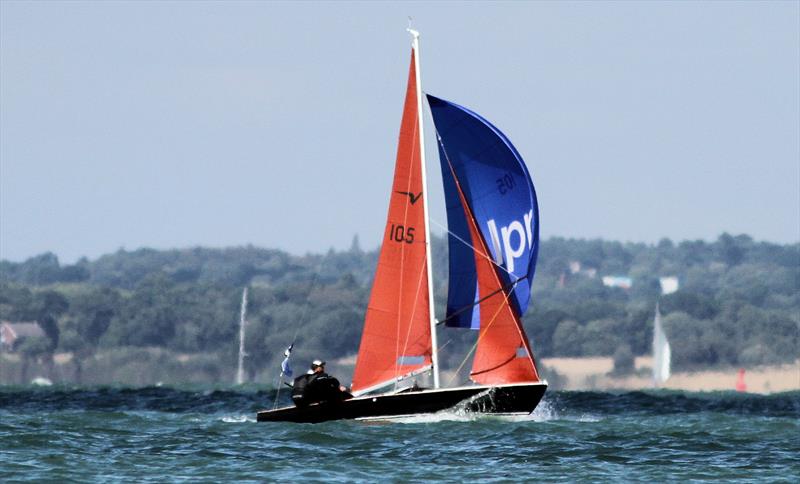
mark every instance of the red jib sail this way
{"type": "Point", "coordinates": [396, 340]}
{"type": "Point", "coordinates": [503, 353]}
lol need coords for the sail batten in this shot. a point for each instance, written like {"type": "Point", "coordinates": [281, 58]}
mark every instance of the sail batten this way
{"type": "Point", "coordinates": [392, 381]}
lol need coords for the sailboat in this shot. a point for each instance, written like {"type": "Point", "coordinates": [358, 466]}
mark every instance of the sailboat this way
{"type": "Point", "coordinates": [662, 354]}
{"type": "Point", "coordinates": [242, 354]}
{"type": "Point", "coordinates": [493, 238]}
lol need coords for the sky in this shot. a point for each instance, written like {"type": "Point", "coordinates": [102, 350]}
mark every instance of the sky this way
{"type": "Point", "coordinates": [182, 124]}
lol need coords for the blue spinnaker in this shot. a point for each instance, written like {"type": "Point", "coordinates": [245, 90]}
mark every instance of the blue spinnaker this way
{"type": "Point", "coordinates": [500, 194]}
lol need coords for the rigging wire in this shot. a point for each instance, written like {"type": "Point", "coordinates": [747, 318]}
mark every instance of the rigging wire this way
{"type": "Point", "coordinates": [474, 249]}
{"type": "Point", "coordinates": [510, 287]}
{"type": "Point", "coordinates": [478, 339]}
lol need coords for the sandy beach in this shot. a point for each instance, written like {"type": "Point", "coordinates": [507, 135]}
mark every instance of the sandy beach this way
{"type": "Point", "coordinates": [593, 374]}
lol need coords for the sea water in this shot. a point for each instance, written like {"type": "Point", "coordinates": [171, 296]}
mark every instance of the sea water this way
{"type": "Point", "coordinates": [204, 434]}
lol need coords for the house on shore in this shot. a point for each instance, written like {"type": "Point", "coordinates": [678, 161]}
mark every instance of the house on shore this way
{"type": "Point", "coordinates": [12, 334]}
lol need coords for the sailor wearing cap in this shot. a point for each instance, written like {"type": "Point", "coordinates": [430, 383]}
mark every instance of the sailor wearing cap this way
{"type": "Point", "coordinates": [317, 386]}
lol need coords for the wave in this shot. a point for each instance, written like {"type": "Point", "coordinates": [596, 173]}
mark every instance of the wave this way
{"type": "Point", "coordinates": [660, 402]}
{"type": "Point", "coordinates": [238, 401]}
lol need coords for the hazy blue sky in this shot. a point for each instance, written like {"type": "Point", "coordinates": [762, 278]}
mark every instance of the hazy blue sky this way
{"type": "Point", "coordinates": [275, 124]}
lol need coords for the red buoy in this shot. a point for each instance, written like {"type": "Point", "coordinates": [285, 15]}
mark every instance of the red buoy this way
{"type": "Point", "coordinates": [741, 386]}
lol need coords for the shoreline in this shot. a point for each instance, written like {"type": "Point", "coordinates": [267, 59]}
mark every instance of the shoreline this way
{"type": "Point", "coordinates": [595, 374]}
{"type": "Point", "coordinates": [142, 367]}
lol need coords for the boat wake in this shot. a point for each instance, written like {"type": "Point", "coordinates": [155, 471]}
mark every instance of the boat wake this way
{"type": "Point", "coordinates": [443, 416]}
{"type": "Point", "coordinates": [544, 412]}
{"type": "Point", "coordinates": [237, 419]}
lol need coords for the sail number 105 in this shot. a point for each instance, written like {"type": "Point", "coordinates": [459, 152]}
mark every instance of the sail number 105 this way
{"type": "Point", "coordinates": [401, 233]}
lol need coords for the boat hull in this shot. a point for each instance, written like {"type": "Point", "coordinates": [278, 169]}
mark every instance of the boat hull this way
{"type": "Point", "coordinates": [485, 399]}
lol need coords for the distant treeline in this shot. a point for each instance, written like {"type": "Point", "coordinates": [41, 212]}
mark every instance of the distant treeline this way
{"type": "Point", "coordinates": [738, 301]}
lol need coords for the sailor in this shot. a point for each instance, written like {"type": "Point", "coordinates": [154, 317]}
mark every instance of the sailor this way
{"type": "Point", "coordinates": [317, 386]}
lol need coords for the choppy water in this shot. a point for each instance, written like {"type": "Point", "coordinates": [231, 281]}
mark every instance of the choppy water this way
{"type": "Point", "coordinates": [204, 434]}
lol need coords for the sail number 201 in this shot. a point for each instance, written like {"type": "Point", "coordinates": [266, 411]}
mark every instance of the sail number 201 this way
{"type": "Point", "coordinates": [401, 233]}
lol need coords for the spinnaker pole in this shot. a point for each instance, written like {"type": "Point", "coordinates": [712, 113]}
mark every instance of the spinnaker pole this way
{"type": "Point", "coordinates": [434, 351]}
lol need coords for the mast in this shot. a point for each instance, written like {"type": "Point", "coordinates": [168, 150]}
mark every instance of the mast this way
{"type": "Point", "coordinates": [434, 351]}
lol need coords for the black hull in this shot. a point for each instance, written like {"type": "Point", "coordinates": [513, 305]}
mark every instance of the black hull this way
{"type": "Point", "coordinates": [500, 399]}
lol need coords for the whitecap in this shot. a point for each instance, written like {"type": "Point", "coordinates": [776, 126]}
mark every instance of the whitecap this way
{"type": "Point", "coordinates": [237, 419]}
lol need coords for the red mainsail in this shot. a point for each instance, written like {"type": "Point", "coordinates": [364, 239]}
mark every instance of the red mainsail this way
{"type": "Point", "coordinates": [397, 337]}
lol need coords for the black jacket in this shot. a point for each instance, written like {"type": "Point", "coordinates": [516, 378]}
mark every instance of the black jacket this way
{"type": "Point", "coordinates": [315, 387]}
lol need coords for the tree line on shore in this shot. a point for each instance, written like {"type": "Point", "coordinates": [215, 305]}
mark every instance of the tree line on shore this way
{"type": "Point", "coordinates": [737, 302]}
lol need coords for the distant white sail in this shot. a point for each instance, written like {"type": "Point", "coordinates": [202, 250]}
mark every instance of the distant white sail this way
{"type": "Point", "coordinates": [661, 352]}
{"type": "Point", "coordinates": [242, 354]}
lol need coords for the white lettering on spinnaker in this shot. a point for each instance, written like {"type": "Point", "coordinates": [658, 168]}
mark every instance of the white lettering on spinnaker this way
{"type": "Point", "coordinates": [512, 248]}
{"type": "Point", "coordinates": [498, 252]}
{"type": "Point", "coordinates": [512, 253]}
{"type": "Point", "coordinates": [528, 219]}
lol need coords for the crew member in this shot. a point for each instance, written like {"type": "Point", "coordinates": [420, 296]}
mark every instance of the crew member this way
{"type": "Point", "coordinates": [317, 386]}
